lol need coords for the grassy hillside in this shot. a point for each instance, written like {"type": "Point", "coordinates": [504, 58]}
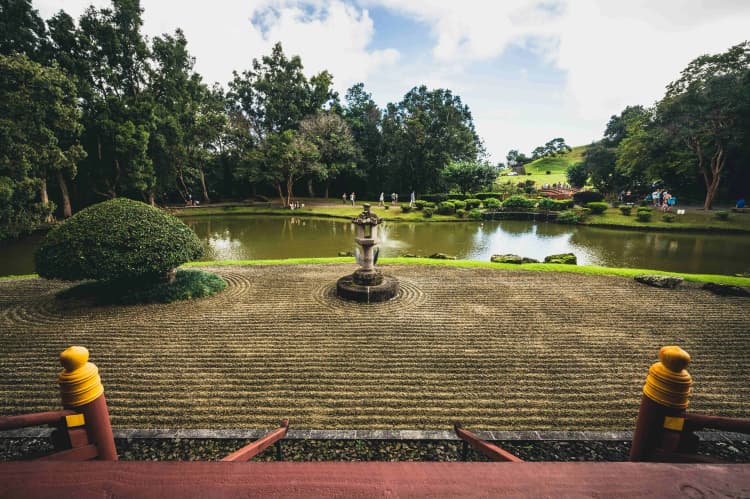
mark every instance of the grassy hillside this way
{"type": "Point", "coordinates": [557, 167]}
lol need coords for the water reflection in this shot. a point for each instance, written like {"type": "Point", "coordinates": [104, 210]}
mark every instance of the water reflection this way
{"type": "Point", "coordinates": [237, 237]}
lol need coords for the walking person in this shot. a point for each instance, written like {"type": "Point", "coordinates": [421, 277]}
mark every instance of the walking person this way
{"type": "Point", "coordinates": [352, 197]}
{"type": "Point", "coordinates": [393, 198]}
{"type": "Point", "coordinates": [382, 199]}
{"type": "Point", "coordinates": [413, 199]}
{"type": "Point", "coordinates": [343, 198]}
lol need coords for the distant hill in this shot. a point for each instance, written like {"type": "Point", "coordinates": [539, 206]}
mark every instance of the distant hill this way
{"type": "Point", "coordinates": [558, 164]}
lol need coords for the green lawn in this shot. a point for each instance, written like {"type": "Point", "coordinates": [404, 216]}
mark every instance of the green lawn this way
{"type": "Point", "coordinates": [693, 220]}
{"type": "Point", "coordinates": [557, 167]}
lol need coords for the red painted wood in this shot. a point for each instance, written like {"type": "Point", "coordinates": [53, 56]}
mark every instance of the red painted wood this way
{"type": "Point", "coordinates": [32, 419]}
{"type": "Point", "coordinates": [99, 428]}
{"type": "Point", "coordinates": [698, 421]}
{"type": "Point", "coordinates": [77, 454]}
{"type": "Point", "coordinates": [251, 450]}
{"type": "Point", "coordinates": [78, 437]}
{"type": "Point", "coordinates": [492, 451]}
{"type": "Point", "coordinates": [284, 479]}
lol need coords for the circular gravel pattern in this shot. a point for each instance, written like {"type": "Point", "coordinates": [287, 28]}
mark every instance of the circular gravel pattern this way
{"type": "Point", "coordinates": [494, 349]}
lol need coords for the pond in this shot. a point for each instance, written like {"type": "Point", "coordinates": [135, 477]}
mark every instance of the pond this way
{"type": "Point", "coordinates": [238, 237]}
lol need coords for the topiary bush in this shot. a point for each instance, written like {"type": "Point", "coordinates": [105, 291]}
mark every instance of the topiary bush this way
{"type": "Point", "coordinates": [568, 217]}
{"type": "Point", "coordinates": [722, 215]}
{"type": "Point", "coordinates": [625, 210]}
{"type": "Point", "coordinates": [460, 205]}
{"type": "Point", "coordinates": [446, 208]}
{"type": "Point", "coordinates": [582, 198]}
{"type": "Point", "coordinates": [405, 208]}
{"type": "Point", "coordinates": [420, 203]}
{"type": "Point", "coordinates": [518, 202]}
{"type": "Point", "coordinates": [472, 203]}
{"type": "Point", "coordinates": [550, 204]}
{"type": "Point", "coordinates": [597, 208]}
{"type": "Point", "coordinates": [643, 214]}
{"type": "Point", "coordinates": [460, 213]}
{"type": "Point", "coordinates": [491, 203]}
{"type": "Point", "coordinates": [668, 217]}
{"type": "Point", "coordinates": [427, 212]}
{"type": "Point", "coordinates": [475, 214]}
{"type": "Point", "coordinates": [120, 239]}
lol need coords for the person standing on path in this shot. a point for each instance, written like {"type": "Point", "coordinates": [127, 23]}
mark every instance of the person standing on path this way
{"type": "Point", "coordinates": [413, 199]}
{"type": "Point", "coordinates": [382, 199]}
{"type": "Point", "coordinates": [343, 198]}
{"type": "Point", "coordinates": [352, 197]}
{"type": "Point", "coordinates": [393, 199]}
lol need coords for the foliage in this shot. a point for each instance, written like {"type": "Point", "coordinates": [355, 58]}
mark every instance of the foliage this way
{"type": "Point", "coordinates": [668, 217]}
{"type": "Point", "coordinates": [491, 203]}
{"type": "Point", "coordinates": [552, 148]}
{"type": "Point", "coordinates": [568, 217]}
{"type": "Point", "coordinates": [562, 258]}
{"type": "Point", "coordinates": [460, 205]}
{"type": "Point", "coordinates": [644, 214]}
{"type": "Point", "coordinates": [597, 208]}
{"type": "Point", "coordinates": [472, 203]}
{"type": "Point", "coordinates": [470, 176]}
{"type": "Point", "coordinates": [365, 120]}
{"type": "Point", "coordinates": [722, 215]}
{"type": "Point", "coordinates": [446, 208]}
{"type": "Point", "coordinates": [435, 198]}
{"type": "Point", "coordinates": [420, 204]}
{"type": "Point", "coordinates": [427, 212]}
{"type": "Point", "coordinates": [116, 239]}
{"type": "Point", "coordinates": [333, 139]}
{"type": "Point", "coordinates": [599, 163]}
{"type": "Point", "coordinates": [405, 208]}
{"type": "Point", "coordinates": [582, 198]}
{"type": "Point", "coordinates": [485, 195]}
{"type": "Point", "coordinates": [39, 133]}
{"type": "Point", "coordinates": [188, 284]}
{"type": "Point", "coordinates": [515, 158]}
{"type": "Point", "coordinates": [625, 210]}
{"type": "Point", "coordinates": [518, 202]}
{"type": "Point", "coordinates": [460, 212]}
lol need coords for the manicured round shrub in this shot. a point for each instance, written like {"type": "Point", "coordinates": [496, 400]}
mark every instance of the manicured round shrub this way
{"type": "Point", "coordinates": [643, 214]}
{"type": "Point", "coordinates": [472, 203]}
{"type": "Point", "coordinates": [420, 203]}
{"type": "Point", "coordinates": [460, 213]}
{"type": "Point", "coordinates": [668, 217]}
{"type": "Point", "coordinates": [427, 212]}
{"type": "Point", "coordinates": [405, 208]}
{"type": "Point", "coordinates": [722, 215]}
{"type": "Point", "coordinates": [582, 198]}
{"type": "Point", "coordinates": [446, 208]}
{"type": "Point", "coordinates": [625, 210]}
{"type": "Point", "coordinates": [475, 214]}
{"type": "Point", "coordinates": [518, 203]}
{"type": "Point", "coordinates": [550, 204]}
{"type": "Point", "coordinates": [568, 217]}
{"type": "Point", "coordinates": [460, 205]}
{"type": "Point", "coordinates": [491, 203]}
{"type": "Point", "coordinates": [120, 239]}
{"type": "Point", "coordinates": [597, 208]}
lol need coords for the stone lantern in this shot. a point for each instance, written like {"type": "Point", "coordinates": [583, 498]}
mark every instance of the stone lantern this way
{"type": "Point", "coordinates": [367, 284]}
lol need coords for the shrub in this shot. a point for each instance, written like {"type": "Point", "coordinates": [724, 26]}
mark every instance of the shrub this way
{"type": "Point", "coordinates": [460, 213]}
{"type": "Point", "coordinates": [435, 198]}
{"type": "Point", "coordinates": [668, 217]}
{"type": "Point", "coordinates": [548, 172]}
{"type": "Point", "coordinates": [568, 217]}
{"type": "Point", "coordinates": [475, 214]}
{"type": "Point", "coordinates": [456, 197]}
{"type": "Point", "coordinates": [405, 208]}
{"type": "Point", "coordinates": [518, 202]}
{"type": "Point", "coordinates": [120, 239]}
{"type": "Point", "coordinates": [460, 205]}
{"type": "Point", "coordinates": [420, 203]}
{"type": "Point", "coordinates": [555, 204]}
{"type": "Point", "coordinates": [472, 203]}
{"type": "Point", "coordinates": [427, 212]}
{"type": "Point", "coordinates": [485, 195]}
{"type": "Point", "coordinates": [625, 210]}
{"type": "Point", "coordinates": [446, 208]}
{"type": "Point", "coordinates": [722, 215]}
{"type": "Point", "coordinates": [582, 198]}
{"type": "Point", "coordinates": [644, 214]}
{"type": "Point", "coordinates": [597, 208]}
{"type": "Point", "coordinates": [491, 203]}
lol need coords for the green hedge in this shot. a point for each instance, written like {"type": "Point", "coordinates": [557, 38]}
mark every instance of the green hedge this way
{"type": "Point", "coordinates": [519, 203]}
{"type": "Point", "coordinates": [491, 203]}
{"type": "Point", "coordinates": [472, 203]}
{"type": "Point", "coordinates": [484, 195]}
{"type": "Point", "coordinates": [597, 208]}
{"type": "Point", "coordinates": [116, 239]}
{"type": "Point", "coordinates": [550, 204]}
{"type": "Point", "coordinates": [582, 198]}
{"type": "Point", "coordinates": [446, 208]}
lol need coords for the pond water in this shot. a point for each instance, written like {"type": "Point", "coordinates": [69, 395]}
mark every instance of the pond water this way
{"type": "Point", "coordinates": [238, 237]}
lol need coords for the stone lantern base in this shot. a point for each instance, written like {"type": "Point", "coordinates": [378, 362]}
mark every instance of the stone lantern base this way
{"type": "Point", "coordinates": [367, 287]}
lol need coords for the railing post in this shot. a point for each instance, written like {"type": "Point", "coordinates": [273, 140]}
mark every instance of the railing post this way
{"type": "Point", "coordinates": [81, 390]}
{"type": "Point", "coordinates": [665, 398]}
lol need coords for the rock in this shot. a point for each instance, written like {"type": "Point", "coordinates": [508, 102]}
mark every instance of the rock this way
{"type": "Point", "coordinates": [346, 253]}
{"type": "Point", "coordinates": [410, 255]}
{"type": "Point", "coordinates": [441, 256]}
{"type": "Point", "coordinates": [726, 289]}
{"type": "Point", "coordinates": [507, 259]}
{"type": "Point", "coordinates": [659, 281]}
{"type": "Point", "coordinates": [564, 258]}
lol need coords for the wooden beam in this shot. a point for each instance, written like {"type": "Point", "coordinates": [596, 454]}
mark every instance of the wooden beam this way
{"type": "Point", "coordinates": [490, 450]}
{"type": "Point", "coordinates": [251, 450]}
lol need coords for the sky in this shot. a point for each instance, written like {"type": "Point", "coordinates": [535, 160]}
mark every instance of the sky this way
{"type": "Point", "coordinates": [529, 70]}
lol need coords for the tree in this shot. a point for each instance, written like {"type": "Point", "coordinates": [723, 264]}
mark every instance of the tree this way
{"type": "Point", "coordinates": [515, 158]}
{"type": "Point", "coordinates": [39, 130]}
{"type": "Point", "coordinates": [577, 175]}
{"type": "Point", "coordinates": [470, 176]}
{"type": "Point", "coordinates": [422, 134]}
{"type": "Point", "coordinates": [335, 144]}
{"type": "Point", "coordinates": [22, 31]}
{"type": "Point", "coordinates": [599, 163]}
{"type": "Point", "coordinates": [702, 112]}
{"type": "Point", "coordinates": [365, 120]}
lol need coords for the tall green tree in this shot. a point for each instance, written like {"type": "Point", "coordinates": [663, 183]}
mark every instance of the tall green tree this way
{"type": "Point", "coordinates": [422, 134]}
{"type": "Point", "coordinates": [39, 132]}
{"type": "Point", "coordinates": [337, 150]}
{"type": "Point", "coordinates": [702, 112]}
{"type": "Point", "coordinates": [470, 176]}
{"type": "Point", "coordinates": [22, 31]}
{"type": "Point", "coordinates": [365, 121]}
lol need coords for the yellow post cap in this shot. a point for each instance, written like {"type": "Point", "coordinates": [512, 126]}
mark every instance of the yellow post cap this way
{"type": "Point", "coordinates": [668, 383]}
{"type": "Point", "coordinates": [79, 380]}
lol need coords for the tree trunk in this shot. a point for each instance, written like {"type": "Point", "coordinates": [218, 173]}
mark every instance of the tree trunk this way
{"type": "Point", "coordinates": [712, 181]}
{"type": "Point", "coordinates": [289, 190]}
{"type": "Point", "coordinates": [206, 199]}
{"type": "Point", "coordinates": [151, 199]}
{"type": "Point", "coordinates": [67, 210]}
{"type": "Point", "coordinates": [45, 198]}
{"type": "Point", "coordinates": [310, 191]}
{"type": "Point", "coordinates": [281, 194]}
{"type": "Point", "coordinates": [328, 185]}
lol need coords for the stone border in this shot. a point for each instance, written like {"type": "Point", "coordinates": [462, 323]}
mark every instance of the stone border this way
{"type": "Point", "coordinates": [248, 434]}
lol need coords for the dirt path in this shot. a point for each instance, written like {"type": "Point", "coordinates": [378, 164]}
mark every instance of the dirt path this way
{"type": "Point", "coordinates": [494, 349]}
